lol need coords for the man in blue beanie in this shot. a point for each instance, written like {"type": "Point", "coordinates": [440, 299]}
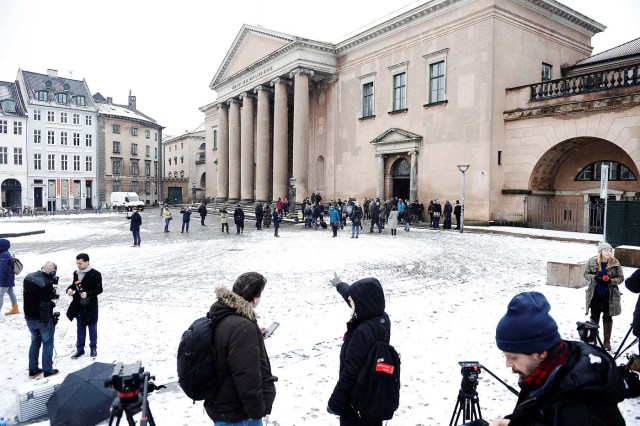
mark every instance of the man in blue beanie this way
{"type": "Point", "coordinates": [562, 382]}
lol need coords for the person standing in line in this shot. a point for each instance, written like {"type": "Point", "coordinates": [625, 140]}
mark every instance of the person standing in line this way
{"type": "Point", "coordinates": [259, 215]}
{"type": "Point", "coordinates": [367, 324]}
{"type": "Point", "coordinates": [393, 221]}
{"type": "Point", "coordinates": [87, 285]}
{"type": "Point", "coordinates": [203, 213]}
{"type": "Point", "coordinates": [166, 214]}
{"type": "Point", "coordinates": [356, 220]}
{"type": "Point", "coordinates": [224, 220]}
{"type": "Point", "coordinates": [437, 212]}
{"type": "Point", "coordinates": [38, 307]}
{"type": "Point", "coordinates": [276, 223]}
{"type": "Point", "coordinates": [285, 206]}
{"type": "Point", "coordinates": [457, 211]}
{"type": "Point", "coordinates": [375, 216]}
{"type": "Point", "coordinates": [280, 205]}
{"type": "Point", "coordinates": [7, 277]}
{"type": "Point", "coordinates": [246, 389]}
{"type": "Point", "coordinates": [448, 209]}
{"type": "Point", "coordinates": [334, 219]}
{"type": "Point", "coordinates": [266, 220]}
{"type": "Point", "coordinates": [186, 218]}
{"type": "Point", "coordinates": [406, 217]}
{"type": "Point", "coordinates": [134, 226]}
{"type": "Point", "coordinates": [604, 274]}
{"type": "Point", "coordinates": [238, 219]}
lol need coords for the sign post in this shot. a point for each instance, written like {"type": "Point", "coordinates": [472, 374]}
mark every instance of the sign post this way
{"type": "Point", "coordinates": [604, 184]}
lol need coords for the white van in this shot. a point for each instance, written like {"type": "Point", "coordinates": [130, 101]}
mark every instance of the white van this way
{"type": "Point", "coordinates": [126, 200]}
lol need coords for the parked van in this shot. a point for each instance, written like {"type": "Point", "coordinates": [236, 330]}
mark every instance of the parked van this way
{"type": "Point", "coordinates": [126, 200]}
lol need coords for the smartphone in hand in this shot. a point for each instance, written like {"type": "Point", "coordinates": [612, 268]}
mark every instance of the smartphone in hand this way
{"type": "Point", "coordinates": [269, 331]}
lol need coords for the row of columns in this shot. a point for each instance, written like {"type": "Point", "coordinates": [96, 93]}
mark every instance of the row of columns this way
{"type": "Point", "coordinates": [236, 141]}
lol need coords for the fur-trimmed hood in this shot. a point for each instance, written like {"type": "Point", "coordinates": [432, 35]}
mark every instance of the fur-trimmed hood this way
{"type": "Point", "coordinates": [228, 300]}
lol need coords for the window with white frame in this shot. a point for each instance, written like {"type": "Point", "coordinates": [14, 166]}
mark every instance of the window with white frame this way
{"type": "Point", "coordinates": [76, 139]}
{"type": "Point", "coordinates": [88, 120]}
{"type": "Point", "coordinates": [76, 118]}
{"type": "Point", "coordinates": [76, 163]}
{"type": "Point", "coordinates": [41, 95]}
{"type": "Point", "coordinates": [51, 116]}
{"type": "Point", "coordinates": [437, 76]}
{"type": "Point", "coordinates": [147, 134]}
{"type": "Point", "coordinates": [134, 149]}
{"type": "Point", "coordinates": [64, 162]}
{"type": "Point", "coordinates": [37, 115]}
{"type": "Point", "coordinates": [156, 152]}
{"type": "Point", "coordinates": [4, 156]}
{"type": "Point", "coordinates": [63, 117]}
{"type": "Point", "coordinates": [37, 136]}
{"type": "Point", "coordinates": [134, 131]}
{"type": "Point", "coordinates": [147, 168]}
{"type": "Point", "coordinates": [367, 95]}
{"type": "Point", "coordinates": [88, 140]}
{"type": "Point", "coordinates": [51, 162]}
{"type": "Point", "coordinates": [64, 138]}
{"type": "Point", "coordinates": [37, 161]}
{"type": "Point", "coordinates": [17, 156]}
{"type": "Point", "coordinates": [88, 164]}
{"type": "Point", "coordinates": [546, 72]}
{"type": "Point", "coordinates": [116, 147]}
{"type": "Point", "coordinates": [399, 86]}
{"type": "Point", "coordinates": [17, 128]}
{"type": "Point", "coordinates": [62, 98]}
{"type": "Point", "coordinates": [147, 150]}
{"type": "Point", "coordinates": [134, 168]}
{"type": "Point", "coordinates": [3, 126]}
{"type": "Point", "coordinates": [156, 137]}
{"type": "Point", "coordinates": [51, 137]}
{"type": "Point", "coordinates": [116, 128]}
{"type": "Point", "coordinates": [115, 166]}
{"type": "Point", "coordinates": [79, 100]}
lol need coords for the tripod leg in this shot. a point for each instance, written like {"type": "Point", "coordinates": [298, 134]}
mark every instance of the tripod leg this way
{"type": "Point", "coordinates": [150, 416]}
{"type": "Point", "coordinates": [456, 409]}
{"type": "Point", "coordinates": [130, 420]}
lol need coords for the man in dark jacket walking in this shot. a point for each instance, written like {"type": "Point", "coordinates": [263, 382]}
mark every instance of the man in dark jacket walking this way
{"type": "Point", "coordinates": [368, 320]}
{"type": "Point", "coordinates": [134, 226]}
{"type": "Point", "coordinates": [561, 382]}
{"type": "Point", "coordinates": [203, 213]}
{"type": "Point", "coordinates": [247, 388]}
{"type": "Point", "coordinates": [86, 286]}
{"type": "Point", "coordinates": [38, 311]}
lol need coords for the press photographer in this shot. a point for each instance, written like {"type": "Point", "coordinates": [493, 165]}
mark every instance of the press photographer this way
{"type": "Point", "coordinates": [39, 294]}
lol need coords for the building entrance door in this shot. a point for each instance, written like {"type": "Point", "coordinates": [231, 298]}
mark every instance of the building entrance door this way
{"type": "Point", "coordinates": [37, 197]}
{"type": "Point", "coordinates": [401, 173]}
{"type": "Point", "coordinates": [175, 195]}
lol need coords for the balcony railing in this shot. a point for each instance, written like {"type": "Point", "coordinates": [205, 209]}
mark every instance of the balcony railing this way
{"type": "Point", "coordinates": [586, 83]}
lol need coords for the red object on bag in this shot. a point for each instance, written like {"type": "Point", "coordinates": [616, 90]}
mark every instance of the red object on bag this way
{"type": "Point", "coordinates": [384, 368]}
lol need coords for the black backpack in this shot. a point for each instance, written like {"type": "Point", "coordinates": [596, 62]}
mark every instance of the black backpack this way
{"type": "Point", "coordinates": [376, 394]}
{"type": "Point", "coordinates": [196, 360]}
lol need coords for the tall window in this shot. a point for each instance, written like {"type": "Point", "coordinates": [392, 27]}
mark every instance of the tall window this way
{"type": "Point", "coordinates": [79, 100]}
{"type": "Point", "coordinates": [147, 187]}
{"type": "Point", "coordinates": [62, 98]}
{"type": "Point", "coordinates": [156, 153]}
{"type": "Point", "coordinates": [37, 161]}
{"type": "Point", "coordinates": [134, 149]}
{"type": "Point", "coordinates": [88, 120]}
{"type": "Point", "coordinates": [76, 139]}
{"type": "Point", "coordinates": [3, 126]}
{"type": "Point", "coordinates": [64, 162]}
{"type": "Point", "coordinates": [147, 134]}
{"type": "Point", "coordinates": [367, 99]}
{"type": "Point", "coordinates": [41, 95]}
{"type": "Point", "coordinates": [116, 186]}
{"type": "Point", "coordinates": [17, 128]}
{"type": "Point", "coordinates": [115, 166]}
{"type": "Point", "coordinates": [63, 138]}
{"type": "Point", "coordinates": [51, 116]}
{"type": "Point", "coordinates": [546, 72]}
{"type": "Point", "coordinates": [134, 131]}
{"type": "Point", "coordinates": [51, 137]}
{"type": "Point", "coordinates": [17, 156]}
{"type": "Point", "coordinates": [88, 164]}
{"type": "Point", "coordinates": [436, 82]}
{"type": "Point", "coordinates": [116, 128]}
{"type": "Point", "coordinates": [134, 168]}
{"type": "Point", "coordinates": [63, 117]}
{"type": "Point", "coordinates": [400, 91]}
{"type": "Point", "coordinates": [76, 163]}
{"type": "Point", "coordinates": [116, 147]}
{"type": "Point", "coordinates": [4, 157]}
{"type": "Point", "coordinates": [37, 136]}
{"type": "Point", "coordinates": [51, 162]}
{"type": "Point", "coordinates": [147, 168]}
{"type": "Point", "coordinates": [88, 140]}
{"type": "Point", "coordinates": [215, 139]}
{"type": "Point", "coordinates": [37, 115]}
{"type": "Point", "coordinates": [76, 118]}
{"type": "Point", "coordinates": [147, 150]}
{"type": "Point", "coordinates": [617, 171]}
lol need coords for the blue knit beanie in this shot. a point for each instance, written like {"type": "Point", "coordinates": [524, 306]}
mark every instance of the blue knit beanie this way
{"type": "Point", "coordinates": [527, 327]}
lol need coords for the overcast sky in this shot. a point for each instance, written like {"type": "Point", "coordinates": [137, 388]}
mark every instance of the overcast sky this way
{"type": "Point", "coordinates": [167, 52]}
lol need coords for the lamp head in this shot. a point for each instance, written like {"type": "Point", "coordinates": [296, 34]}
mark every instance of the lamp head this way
{"type": "Point", "coordinates": [463, 167]}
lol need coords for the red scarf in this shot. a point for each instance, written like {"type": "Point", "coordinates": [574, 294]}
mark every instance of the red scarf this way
{"type": "Point", "coordinates": [555, 357]}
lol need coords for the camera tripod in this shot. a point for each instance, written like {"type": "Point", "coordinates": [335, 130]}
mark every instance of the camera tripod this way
{"type": "Point", "coordinates": [468, 404]}
{"type": "Point", "coordinates": [132, 403]}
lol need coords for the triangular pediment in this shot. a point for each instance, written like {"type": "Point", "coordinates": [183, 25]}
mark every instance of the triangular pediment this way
{"type": "Point", "coordinates": [394, 135]}
{"type": "Point", "coordinates": [250, 45]}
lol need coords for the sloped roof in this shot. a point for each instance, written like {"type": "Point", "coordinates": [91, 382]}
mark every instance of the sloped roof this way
{"type": "Point", "coordinates": [35, 82]}
{"type": "Point", "coordinates": [628, 49]}
{"type": "Point", "coordinates": [122, 111]}
{"type": "Point", "coordinates": [9, 91]}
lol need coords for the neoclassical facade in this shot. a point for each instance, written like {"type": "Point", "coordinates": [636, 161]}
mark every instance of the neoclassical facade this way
{"type": "Point", "coordinates": [393, 110]}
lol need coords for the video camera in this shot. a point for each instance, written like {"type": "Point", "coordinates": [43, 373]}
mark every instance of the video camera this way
{"type": "Point", "coordinates": [588, 332]}
{"type": "Point", "coordinates": [128, 380]}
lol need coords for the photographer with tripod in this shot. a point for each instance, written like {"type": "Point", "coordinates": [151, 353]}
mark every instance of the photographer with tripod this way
{"type": "Point", "coordinates": [562, 382]}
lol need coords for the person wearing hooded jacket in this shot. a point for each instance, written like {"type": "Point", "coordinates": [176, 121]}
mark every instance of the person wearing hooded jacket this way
{"type": "Point", "coordinates": [7, 277]}
{"type": "Point", "coordinates": [246, 388]}
{"type": "Point", "coordinates": [368, 320]}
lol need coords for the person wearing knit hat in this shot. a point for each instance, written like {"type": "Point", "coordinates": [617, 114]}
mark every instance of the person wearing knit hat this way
{"type": "Point", "coordinates": [562, 382]}
{"type": "Point", "coordinates": [603, 275]}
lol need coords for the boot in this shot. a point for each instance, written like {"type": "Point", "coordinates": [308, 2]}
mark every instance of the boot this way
{"type": "Point", "coordinates": [14, 310]}
{"type": "Point", "coordinates": [635, 364]}
{"type": "Point", "coordinates": [607, 326]}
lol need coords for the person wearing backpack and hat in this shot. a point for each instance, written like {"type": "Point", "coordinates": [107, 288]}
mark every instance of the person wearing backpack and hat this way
{"type": "Point", "coordinates": [7, 277]}
{"type": "Point", "coordinates": [604, 274]}
{"type": "Point", "coordinates": [368, 324]}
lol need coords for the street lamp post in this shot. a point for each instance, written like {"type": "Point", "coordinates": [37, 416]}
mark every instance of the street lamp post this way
{"type": "Point", "coordinates": [463, 168]}
{"type": "Point", "coordinates": [193, 190]}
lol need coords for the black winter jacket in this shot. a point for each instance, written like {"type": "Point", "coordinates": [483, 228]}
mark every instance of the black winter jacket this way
{"type": "Point", "coordinates": [38, 294]}
{"type": "Point", "coordinates": [87, 307]}
{"type": "Point", "coordinates": [246, 386]}
{"type": "Point", "coordinates": [633, 285]}
{"type": "Point", "coordinates": [368, 297]}
{"type": "Point", "coordinates": [583, 391]}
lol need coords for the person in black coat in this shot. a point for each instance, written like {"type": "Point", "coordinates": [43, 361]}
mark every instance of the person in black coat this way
{"type": "Point", "coordinates": [633, 285]}
{"type": "Point", "coordinates": [561, 382]}
{"type": "Point", "coordinates": [203, 213]}
{"type": "Point", "coordinates": [87, 285]}
{"type": "Point", "coordinates": [276, 222]}
{"type": "Point", "coordinates": [457, 211]}
{"type": "Point", "coordinates": [238, 219]}
{"type": "Point", "coordinates": [375, 216]}
{"type": "Point", "coordinates": [134, 226]}
{"type": "Point", "coordinates": [365, 297]}
{"type": "Point", "coordinates": [186, 218]}
{"type": "Point", "coordinates": [259, 215]}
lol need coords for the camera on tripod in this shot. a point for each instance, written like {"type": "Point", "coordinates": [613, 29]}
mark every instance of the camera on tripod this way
{"type": "Point", "coordinates": [588, 332]}
{"type": "Point", "coordinates": [470, 371]}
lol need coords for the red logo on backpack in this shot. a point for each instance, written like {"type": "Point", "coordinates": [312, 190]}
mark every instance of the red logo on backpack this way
{"type": "Point", "coordinates": [381, 367]}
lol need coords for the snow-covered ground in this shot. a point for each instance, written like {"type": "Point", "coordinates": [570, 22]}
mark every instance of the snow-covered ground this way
{"type": "Point", "coordinates": [445, 293]}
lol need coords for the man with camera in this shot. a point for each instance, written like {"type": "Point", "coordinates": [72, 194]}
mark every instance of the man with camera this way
{"type": "Point", "coordinates": [562, 382]}
{"type": "Point", "coordinates": [39, 294]}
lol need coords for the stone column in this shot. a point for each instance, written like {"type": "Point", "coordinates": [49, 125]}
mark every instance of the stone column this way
{"type": "Point", "coordinates": [246, 147]}
{"type": "Point", "coordinates": [280, 139]}
{"type": "Point", "coordinates": [234, 149]}
{"type": "Point", "coordinates": [222, 192]}
{"type": "Point", "coordinates": [301, 130]}
{"type": "Point", "coordinates": [380, 178]}
{"type": "Point", "coordinates": [263, 147]}
{"type": "Point", "coordinates": [413, 182]}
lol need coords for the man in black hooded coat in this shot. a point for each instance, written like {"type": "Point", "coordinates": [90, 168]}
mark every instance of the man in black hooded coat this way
{"type": "Point", "coordinates": [366, 299]}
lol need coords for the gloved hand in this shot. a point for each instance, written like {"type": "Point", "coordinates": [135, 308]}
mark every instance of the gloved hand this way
{"type": "Point", "coordinates": [335, 280]}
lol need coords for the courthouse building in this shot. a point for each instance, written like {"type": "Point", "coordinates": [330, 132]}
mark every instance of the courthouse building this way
{"type": "Point", "coordinates": [394, 109]}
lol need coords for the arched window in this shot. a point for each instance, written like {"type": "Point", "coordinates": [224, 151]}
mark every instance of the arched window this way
{"type": "Point", "coordinates": [617, 171]}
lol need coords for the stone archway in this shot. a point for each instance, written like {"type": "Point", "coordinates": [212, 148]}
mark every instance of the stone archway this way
{"type": "Point", "coordinates": [11, 193]}
{"type": "Point", "coordinates": [400, 178]}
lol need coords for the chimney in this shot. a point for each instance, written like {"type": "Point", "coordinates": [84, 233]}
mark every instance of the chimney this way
{"type": "Point", "coordinates": [132, 101]}
{"type": "Point", "coordinates": [109, 100]}
{"type": "Point", "coordinates": [52, 72]}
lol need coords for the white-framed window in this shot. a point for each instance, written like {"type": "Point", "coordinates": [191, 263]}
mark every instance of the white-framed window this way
{"type": "Point", "coordinates": [62, 98]}
{"type": "Point", "coordinates": [64, 117]}
{"type": "Point", "coordinates": [116, 128]}
{"type": "Point", "coordinates": [37, 115]}
{"type": "Point", "coordinates": [88, 164]}
{"type": "Point", "coordinates": [399, 86]}
{"type": "Point", "coordinates": [76, 118]}
{"type": "Point", "coordinates": [64, 162]}
{"type": "Point", "coordinates": [115, 166]}
{"type": "Point", "coordinates": [4, 156]}
{"type": "Point", "coordinates": [116, 147]}
{"type": "Point", "coordinates": [51, 162]}
{"type": "Point", "coordinates": [134, 131]}
{"type": "Point", "coordinates": [76, 139]}
{"type": "Point", "coordinates": [88, 120]}
{"type": "Point", "coordinates": [436, 76]}
{"type": "Point", "coordinates": [147, 151]}
{"type": "Point", "coordinates": [79, 100]}
{"type": "Point", "coordinates": [17, 156]}
{"type": "Point", "coordinates": [37, 161]}
{"type": "Point", "coordinates": [51, 116]}
{"type": "Point", "coordinates": [41, 95]}
{"type": "Point", "coordinates": [37, 136]}
{"type": "Point", "coordinates": [546, 72]}
{"type": "Point", "coordinates": [64, 138]}
{"type": "Point", "coordinates": [88, 140]}
{"type": "Point", "coordinates": [76, 163]}
{"type": "Point", "coordinates": [134, 149]}
{"type": "Point", "coordinates": [367, 95]}
{"type": "Point", "coordinates": [147, 168]}
{"type": "Point", "coordinates": [134, 168]}
{"type": "Point", "coordinates": [156, 152]}
{"type": "Point", "coordinates": [17, 128]}
{"type": "Point", "coordinates": [147, 134]}
{"type": "Point", "coordinates": [156, 137]}
{"type": "Point", "coordinates": [51, 137]}
{"type": "Point", "coordinates": [3, 126]}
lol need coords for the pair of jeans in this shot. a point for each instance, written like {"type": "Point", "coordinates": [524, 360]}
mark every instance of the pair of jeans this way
{"type": "Point", "coordinates": [185, 224]}
{"type": "Point", "coordinates": [166, 224]}
{"type": "Point", "coordinates": [12, 295]}
{"type": "Point", "coordinates": [334, 228]}
{"type": "Point", "coordinates": [256, 422]}
{"type": "Point", "coordinates": [136, 237]}
{"type": "Point", "coordinates": [355, 230]}
{"type": "Point", "coordinates": [41, 334]}
{"type": "Point", "coordinates": [82, 334]}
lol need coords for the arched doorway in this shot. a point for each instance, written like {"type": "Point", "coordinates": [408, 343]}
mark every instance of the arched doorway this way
{"type": "Point", "coordinates": [401, 177]}
{"type": "Point", "coordinates": [11, 193]}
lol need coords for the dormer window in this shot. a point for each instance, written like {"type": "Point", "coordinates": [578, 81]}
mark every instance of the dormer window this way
{"type": "Point", "coordinates": [61, 98]}
{"type": "Point", "coordinates": [66, 87]}
{"type": "Point", "coordinates": [41, 95]}
{"type": "Point", "coordinates": [79, 100]}
{"type": "Point", "coordinates": [8, 105]}
{"type": "Point", "coordinates": [48, 85]}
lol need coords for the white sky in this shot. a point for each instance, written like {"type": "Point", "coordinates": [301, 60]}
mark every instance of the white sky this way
{"type": "Point", "coordinates": [168, 52]}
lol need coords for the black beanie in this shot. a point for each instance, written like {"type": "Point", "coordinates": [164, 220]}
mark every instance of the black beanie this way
{"type": "Point", "coordinates": [527, 327]}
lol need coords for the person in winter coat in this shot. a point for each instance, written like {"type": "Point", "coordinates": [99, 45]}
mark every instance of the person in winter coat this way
{"type": "Point", "coordinates": [224, 220]}
{"type": "Point", "coordinates": [247, 389]}
{"type": "Point", "coordinates": [375, 216]}
{"type": "Point", "coordinates": [393, 221]}
{"type": "Point", "coordinates": [84, 291]}
{"type": "Point", "coordinates": [259, 215]}
{"type": "Point", "coordinates": [134, 226]}
{"type": "Point", "coordinates": [604, 274]}
{"type": "Point", "coordinates": [334, 219]}
{"type": "Point", "coordinates": [368, 321]}
{"type": "Point", "coordinates": [266, 221]}
{"type": "Point", "coordinates": [166, 214]}
{"type": "Point", "coordinates": [633, 285]}
{"type": "Point", "coordinates": [437, 212]}
{"type": "Point", "coordinates": [186, 218]}
{"type": "Point", "coordinates": [203, 213]}
{"type": "Point", "coordinates": [448, 210]}
{"type": "Point", "coordinates": [7, 277]}
{"type": "Point", "coordinates": [356, 221]}
{"type": "Point", "coordinates": [457, 211]}
{"type": "Point", "coordinates": [238, 219]}
{"type": "Point", "coordinates": [562, 382]}
{"type": "Point", "coordinates": [406, 218]}
{"type": "Point", "coordinates": [38, 292]}
{"type": "Point", "coordinates": [276, 223]}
